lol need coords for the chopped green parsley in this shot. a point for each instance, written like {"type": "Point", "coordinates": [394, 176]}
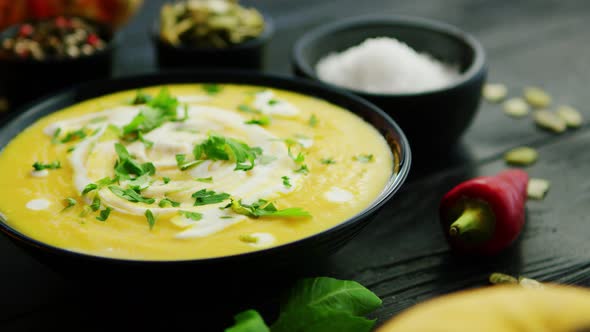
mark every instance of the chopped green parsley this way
{"type": "Point", "coordinates": [217, 147]}
{"type": "Point", "coordinates": [196, 216]}
{"type": "Point", "coordinates": [166, 179]}
{"type": "Point", "coordinates": [313, 121]}
{"type": "Point", "coordinates": [150, 218]}
{"type": "Point", "coordinates": [104, 214]}
{"type": "Point", "coordinates": [184, 164]}
{"type": "Point", "coordinates": [40, 166]}
{"type": "Point", "coordinates": [205, 197]}
{"type": "Point", "coordinates": [263, 120]}
{"type": "Point", "coordinates": [69, 202]}
{"type": "Point", "coordinates": [130, 195]}
{"type": "Point", "coordinates": [95, 206]}
{"type": "Point", "coordinates": [286, 181]}
{"type": "Point", "coordinates": [127, 168]}
{"type": "Point", "coordinates": [248, 109]}
{"type": "Point", "coordinates": [364, 158]}
{"type": "Point", "coordinates": [303, 169]}
{"type": "Point", "coordinates": [211, 89]}
{"type": "Point", "coordinates": [164, 202]}
{"type": "Point", "coordinates": [327, 161]}
{"type": "Point", "coordinates": [205, 180]}
{"type": "Point", "coordinates": [263, 208]}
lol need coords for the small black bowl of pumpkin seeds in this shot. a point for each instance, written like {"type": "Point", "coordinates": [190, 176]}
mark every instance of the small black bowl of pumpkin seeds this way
{"type": "Point", "coordinates": [211, 34]}
{"type": "Point", "coordinates": [41, 56]}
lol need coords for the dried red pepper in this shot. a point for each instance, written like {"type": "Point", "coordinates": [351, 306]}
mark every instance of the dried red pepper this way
{"type": "Point", "coordinates": [486, 214]}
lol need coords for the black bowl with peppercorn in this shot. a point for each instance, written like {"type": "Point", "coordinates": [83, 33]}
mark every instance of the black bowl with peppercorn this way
{"type": "Point", "coordinates": [41, 56]}
{"type": "Point", "coordinates": [211, 33]}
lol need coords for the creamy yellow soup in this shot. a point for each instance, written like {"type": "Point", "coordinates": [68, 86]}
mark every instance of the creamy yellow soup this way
{"type": "Point", "coordinates": [198, 171]}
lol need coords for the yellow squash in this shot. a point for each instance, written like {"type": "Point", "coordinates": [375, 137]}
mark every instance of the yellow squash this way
{"type": "Point", "coordinates": [552, 308]}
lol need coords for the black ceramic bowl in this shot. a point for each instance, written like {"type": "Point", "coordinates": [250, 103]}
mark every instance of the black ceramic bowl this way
{"type": "Point", "coordinates": [285, 257]}
{"type": "Point", "coordinates": [23, 80]}
{"type": "Point", "coordinates": [433, 120]}
{"type": "Point", "coordinates": [247, 55]}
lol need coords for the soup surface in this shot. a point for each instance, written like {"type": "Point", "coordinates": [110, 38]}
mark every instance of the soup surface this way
{"type": "Point", "coordinates": [190, 171]}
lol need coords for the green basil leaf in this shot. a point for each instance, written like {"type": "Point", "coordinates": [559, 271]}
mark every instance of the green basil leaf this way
{"type": "Point", "coordinates": [248, 321]}
{"type": "Point", "coordinates": [327, 305]}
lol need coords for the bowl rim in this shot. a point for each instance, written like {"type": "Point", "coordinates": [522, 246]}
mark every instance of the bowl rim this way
{"type": "Point", "coordinates": [111, 43]}
{"type": "Point", "coordinates": [265, 36]}
{"type": "Point", "coordinates": [41, 107]}
{"type": "Point", "coordinates": [477, 66]}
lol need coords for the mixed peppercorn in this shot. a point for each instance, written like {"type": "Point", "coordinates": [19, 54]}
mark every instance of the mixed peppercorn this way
{"type": "Point", "coordinates": [59, 37]}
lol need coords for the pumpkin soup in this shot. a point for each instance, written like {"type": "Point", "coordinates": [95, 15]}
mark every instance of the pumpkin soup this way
{"type": "Point", "coordinates": [190, 171]}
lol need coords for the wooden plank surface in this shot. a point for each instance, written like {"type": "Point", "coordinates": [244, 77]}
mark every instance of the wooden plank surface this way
{"type": "Point", "coordinates": [402, 255]}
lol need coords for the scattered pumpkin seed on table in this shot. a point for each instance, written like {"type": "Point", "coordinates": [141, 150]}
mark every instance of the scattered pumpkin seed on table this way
{"type": "Point", "coordinates": [522, 156]}
{"type": "Point", "coordinates": [537, 97]}
{"type": "Point", "coordinates": [497, 278]}
{"type": "Point", "coordinates": [570, 115]}
{"type": "Point", "coordinates": [550, 121]}
{"type": "Point", "coordinates": [516, 107]}
{"type": "Point", "coordinates": [537, 188]}
{"type": "Point", "coordinates": [494, 92]}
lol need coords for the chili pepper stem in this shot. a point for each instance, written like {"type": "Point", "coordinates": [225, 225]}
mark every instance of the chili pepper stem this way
{"type": "Point", "coordinates": [475, 224]}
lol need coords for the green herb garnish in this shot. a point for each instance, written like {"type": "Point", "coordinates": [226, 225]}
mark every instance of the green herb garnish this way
{"type": "Point", "coordinates": [248, 109]}
{"type": "Point", "coordinates": [264, 208]}
{"type": "Point", "coordinates": [70, 149]}
{"type": "Point", "coordinates": [140, 183]}
{"type": "Point", "coordinates": [55, 137]}
{"type": "Point", "coordinates": [364, 158]}
{"type": "Point", "coordinates": [130, 195]}
{"type": "Point", "coordinates": [196, 216]}
{"type": "Point", "coordinates": [248, 238]}
{"type": "Point", "coordinates": [217, 147]}
{"type": "Point", "coordinates": [127, 168]}
{"type": "Point", "coordinates": [69, 202]}
{"type": "Point", "coordinates": [150, 218]}
{"type": "Point", "coordinates": [286, 181]}
{"type": "Point", "coordinates": [327, 161]}
{"type": "Point", "coordinates": [313, 121]}
{"type": "Point", "coordinates": [205, 197]}
{"type": "Point", "coordinates": [184, 164]}
{"type": "Point", "coordinates": [162, 108]}
{"type": "Point", "coordinates": [303, 169]}
{"type": "Point", "coordinates": [141, 98]}
{"type": "Point", "coordinates": [166, 179]}
{"type": "Point", "coordinates": [40, 166]}
{"type": "Point", "coordinates": [168, 202]}
{"type": "Point", "coordinates": [104, 214]}
{"type": "Point", "coordinates": [262, 121]}
{"type": "Point", "coordinates": [95, 206]}
{"type": "Point", "coordinates": [205, 180]}
{"type": "Point", "coordinates": [99, 184]}
{"type": "Point", "coordinates": [74, 135]}
{"type": "Point", "coordinates": [211, 89]}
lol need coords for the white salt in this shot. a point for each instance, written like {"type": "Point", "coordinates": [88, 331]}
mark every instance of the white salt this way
{"type": "Point", "coordinates": [385, 65]}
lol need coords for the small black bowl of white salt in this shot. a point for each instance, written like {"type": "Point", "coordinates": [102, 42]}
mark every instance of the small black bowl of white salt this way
{"type": "Point", "coordinates": [425, 74]}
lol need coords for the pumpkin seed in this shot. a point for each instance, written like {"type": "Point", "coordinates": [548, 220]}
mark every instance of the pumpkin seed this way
{"type": "Point", "coordinates": [501, 278]}
{"type": "Point", "coordinates": [494, 92]}
{"type": "Point", "coordinates": [522, 156]}
{"type": "Point", "coordinates": [537, 188]}
{"type": "Point", "coordinates": [570, 115]}
{"type": "Point", "coordinates": [550, 120]}
{"type": "Point", "coordinates": [536, 97]}
{"type": "Point", "coordinates": [529, 283]}
{"type": "Point", "coordinates": [516, 107]}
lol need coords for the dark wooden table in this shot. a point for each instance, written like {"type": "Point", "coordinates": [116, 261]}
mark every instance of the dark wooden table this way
{"type": "Point", "coordinates": [402, 255]}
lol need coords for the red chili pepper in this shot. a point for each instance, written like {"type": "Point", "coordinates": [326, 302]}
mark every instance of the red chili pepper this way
{"type": "Point", "coordinates": [25, 30]}
{"type": "Point", "coordinates": [484, 215]}
{"type": "Point", "coordinates": [92, 39]}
